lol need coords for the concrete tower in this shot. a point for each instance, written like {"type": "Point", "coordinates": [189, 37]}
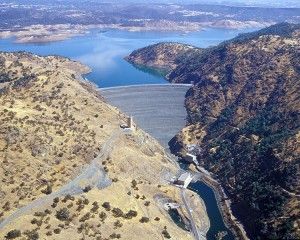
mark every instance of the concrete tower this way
{"type": "Point", "coordinates": [130, 122]}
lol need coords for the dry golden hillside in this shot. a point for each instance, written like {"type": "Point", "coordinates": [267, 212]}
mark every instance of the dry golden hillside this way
{"type": "Point", "coordinates": [68, 170]}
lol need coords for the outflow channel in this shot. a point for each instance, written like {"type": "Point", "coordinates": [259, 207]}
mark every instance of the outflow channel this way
{"type": "Point", "coordinates": [159, 110]}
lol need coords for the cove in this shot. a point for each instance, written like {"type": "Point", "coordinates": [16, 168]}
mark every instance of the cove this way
{"type": "Point", "coordinates": [104, 52]}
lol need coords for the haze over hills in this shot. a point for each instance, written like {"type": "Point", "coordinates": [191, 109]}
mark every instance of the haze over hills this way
{"type": "Point", "coordinates": [267, 3]}
{"type": "Point", "coordinates": [59, 20]}
{"type": "Point", "coordinates": [244, 118]}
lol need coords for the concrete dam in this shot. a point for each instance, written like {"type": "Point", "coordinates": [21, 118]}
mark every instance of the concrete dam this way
{"type": "Point", "coordinates": [157, 109]}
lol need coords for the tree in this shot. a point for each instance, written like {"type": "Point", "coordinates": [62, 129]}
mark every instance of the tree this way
{"type": "Point", "coordinates": [166, 234]}
{"type": "Point", "coordinates": [13, 234]}
{"type": "Point", "coordinates": [107, 206]}
{"type": "Point", "coordinates": [144, 220]}
{"type": "Point", "coordinates": [117, 212]}
{"type": "Point", "coordinates": [63, 214]}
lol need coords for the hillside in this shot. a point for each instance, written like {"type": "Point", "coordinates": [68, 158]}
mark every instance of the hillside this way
{"type": "Point", "coordinates": [68, 171]}
{"type": "Point", "coordinates": [244, 117]}
{"type": "Point", "coordinates": [162, 57]}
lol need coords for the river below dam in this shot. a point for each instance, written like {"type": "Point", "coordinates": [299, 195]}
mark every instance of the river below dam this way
{"type": "Point", "coordinates": [104, 52]}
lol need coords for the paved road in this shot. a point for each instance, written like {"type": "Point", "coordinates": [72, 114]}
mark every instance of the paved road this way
{"type": "Point", "coordinates": [197, 234]}
{"type": "Point", "coordinates": [93, 175]}
{"type": "Point", "coordinates": [157, 109]}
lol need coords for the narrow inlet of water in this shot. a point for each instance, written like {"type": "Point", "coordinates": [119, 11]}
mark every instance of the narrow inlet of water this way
{"type": "Point", "coordinates": [205, 192]}
{"type": "Point", "coordinates": [217, 224]}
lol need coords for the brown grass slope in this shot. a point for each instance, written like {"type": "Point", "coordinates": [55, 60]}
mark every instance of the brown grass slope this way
{"type": "Point", "coordinates": [52, 124]}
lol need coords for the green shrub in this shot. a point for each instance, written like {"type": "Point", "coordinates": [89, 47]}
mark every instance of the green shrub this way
{"type": "Point", "coordinates": [102, 216]}
{"type": "Point", "coordinates": [13, 234]}
{"type": "Point", "coordinates": [118, 224]}
{"type": "Point", "coordinates": [63, 214]}
{"type": "Point", "coordinates": [131, 214]}
{"type": "Point", "coordinates": [117, 212]}
{"type": "Point", "coordinates": [57, 230]}
{"type": "Point", "coordinates": [144, 220]}
{"type": "Point", "coordinates": [107, 206]}
{"type": "Point", "coordinates": [114, 235]}
{"type": "Point", "coordinates": [32, 235]}
{"type": "Point", "coordinates": [95, 207]}
{"type": "Point", "coordinates": [85, 217]}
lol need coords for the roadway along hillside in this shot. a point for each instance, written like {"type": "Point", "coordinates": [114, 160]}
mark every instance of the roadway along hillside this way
{"type": "Point", "coordinates": [157, 109]}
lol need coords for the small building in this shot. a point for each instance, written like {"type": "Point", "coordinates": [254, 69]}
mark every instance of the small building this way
{"type": "Point", "coordinates": [193, 149]}
{"type": "Point", "coordinates": [191, 158]}
{"type": "Point", "coordinates": [171, 205]}
{"type": "Point", "coordinates": [184, 180]}
{"type": "Point", "coordinates": [129, 124]}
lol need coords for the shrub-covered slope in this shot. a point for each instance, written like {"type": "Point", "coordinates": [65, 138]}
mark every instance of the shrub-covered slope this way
{"type": "Point", "coordinates": [67, 171]}
{"type": "Point", "coordinates": [244, 115]}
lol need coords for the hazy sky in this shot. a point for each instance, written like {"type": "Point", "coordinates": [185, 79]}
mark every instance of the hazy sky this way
{"type": "Point", "coordinates": [277, 3]}
{"type": "Point", "coordinates": [265, 3]}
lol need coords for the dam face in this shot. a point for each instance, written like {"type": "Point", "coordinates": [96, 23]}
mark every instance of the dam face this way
{"type": "Point", "coordinates": [157, 109]}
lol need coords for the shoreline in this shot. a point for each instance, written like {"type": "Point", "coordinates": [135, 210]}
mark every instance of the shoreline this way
{"type": "Point", "coordinates": [43, 34]}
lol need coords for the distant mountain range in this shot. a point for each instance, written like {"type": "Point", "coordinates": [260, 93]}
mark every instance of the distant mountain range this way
{"type": "Point", "coordinates": [267, 3]}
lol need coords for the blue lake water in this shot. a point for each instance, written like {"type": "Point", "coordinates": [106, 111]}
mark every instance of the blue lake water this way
{"type": "Point", "coordinates": [104, 51]}
{"type": "Point", "coordinates": [216, 220]}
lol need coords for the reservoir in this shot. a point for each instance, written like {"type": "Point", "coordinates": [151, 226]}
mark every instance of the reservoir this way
{"type": "Point", "coordinates": [104, 52]}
